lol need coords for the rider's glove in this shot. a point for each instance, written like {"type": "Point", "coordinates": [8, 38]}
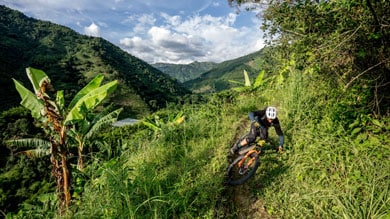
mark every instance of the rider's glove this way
{"type": "Point", "coordinates": [256, 123]}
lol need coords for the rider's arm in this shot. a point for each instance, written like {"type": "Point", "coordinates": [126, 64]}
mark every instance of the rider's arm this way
{"type": "Point", "coordinates": [256, 115]}
{"type": "Point", "coordinates": [281, 140]}
{"type": "Point", "coordinates": [279, 132]}
{"type": "Point", "coordinates": [252, 116]}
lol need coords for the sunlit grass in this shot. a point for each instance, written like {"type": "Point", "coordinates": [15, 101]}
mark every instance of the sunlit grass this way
{"type": "Point", "coordinates": [178, 172]}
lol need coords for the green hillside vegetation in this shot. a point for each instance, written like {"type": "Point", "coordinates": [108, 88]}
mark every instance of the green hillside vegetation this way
{"type": "Point", "coordinates": [71, 60]}
{"type": "Point", "coordinates": [219, 78]}
{"type": "Point", "coordinates": [329, 79]}
{"type": "Point", "coordinates": [185, 72]}
{"type": "Point", "coordinates": [330, 167]}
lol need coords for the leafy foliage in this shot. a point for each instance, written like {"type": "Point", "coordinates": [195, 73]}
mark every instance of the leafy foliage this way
{"type": "Point", "coordinates": [347, 40]}
{"type": "Point", "coordinates": [55, 119]}
{"type": "Point", "coordinates": [83, 132]}
{"type": "Point", "coordinates": [22, 180]}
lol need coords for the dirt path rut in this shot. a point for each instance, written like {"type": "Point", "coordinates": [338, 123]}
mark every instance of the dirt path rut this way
{"type": "Point", "coordinates": [245, 204]}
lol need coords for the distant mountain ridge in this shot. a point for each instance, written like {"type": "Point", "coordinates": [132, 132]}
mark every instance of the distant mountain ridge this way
{"type": "Point", "coordinates": [206, 77]}
{"type": "Point", "coordinates": [71, 60]}
{"type": "Point", "coordinates": [220, 76]}
{"type": "Point", "coordinates": [185, 72]}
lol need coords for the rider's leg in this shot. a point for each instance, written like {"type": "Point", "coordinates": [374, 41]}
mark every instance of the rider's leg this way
{"type": "Point", "coordinates": [251, 137]}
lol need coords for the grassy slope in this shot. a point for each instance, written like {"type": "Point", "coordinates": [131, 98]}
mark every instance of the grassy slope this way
{"type": "Point", "coordinates": [328, 170]}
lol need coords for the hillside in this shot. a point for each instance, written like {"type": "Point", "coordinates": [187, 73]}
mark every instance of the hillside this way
{"type": "Point", "coordinates": [219, 77]}
{"type": "Point", "coordinates": [185, 72]}
{"type": "Point", "coordinates": [71, 60]}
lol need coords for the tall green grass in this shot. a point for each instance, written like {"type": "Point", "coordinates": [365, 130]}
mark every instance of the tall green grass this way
{"type": "Point", "coordinates": [331, 167]}
{"type": "Point", "coordinates": [331, 172]}
{"type": "Point", "coordinates": [178, 173]}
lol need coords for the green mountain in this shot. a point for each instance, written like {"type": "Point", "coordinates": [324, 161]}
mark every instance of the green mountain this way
{"type": "Point", "coordinates": [221, 76]}
{"type": "Point", "coordinates": [185, 72]}
{"type": "Point", "coordinates": [71, 60]}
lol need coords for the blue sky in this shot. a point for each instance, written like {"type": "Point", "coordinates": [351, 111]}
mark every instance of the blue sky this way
{"type": "Point", "coordinates": [169, 31]}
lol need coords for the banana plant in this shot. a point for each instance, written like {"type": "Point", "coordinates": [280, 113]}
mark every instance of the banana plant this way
{"type": "Point", "coordinates": [157, 124]}
{"type": "Point", "coordinates": [247, 80]}
{"type": "Point", "coordinates": [84, 130]}
{"type": "Point", "coordinates": [56, 119]}
{"type": "Point", "coordinates": [248, 85]}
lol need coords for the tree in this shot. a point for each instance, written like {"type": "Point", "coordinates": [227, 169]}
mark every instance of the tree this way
{"type": "Point", "coordinates": [347, 41]}
{"type": "Point", "coordinates": [56, 120]}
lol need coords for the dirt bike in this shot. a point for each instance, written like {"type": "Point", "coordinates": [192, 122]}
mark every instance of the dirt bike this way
{"type": "Point", "coordinates": [245, 165]}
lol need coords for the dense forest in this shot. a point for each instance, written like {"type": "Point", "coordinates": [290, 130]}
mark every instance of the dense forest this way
{"type": "Point", "coordinates": [325, 68]}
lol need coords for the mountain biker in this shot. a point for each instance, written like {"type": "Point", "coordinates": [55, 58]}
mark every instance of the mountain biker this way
{"type": "Point", "coordinates": [261, 121]}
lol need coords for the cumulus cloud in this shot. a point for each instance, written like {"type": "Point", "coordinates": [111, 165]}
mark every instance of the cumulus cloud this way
{"type": "Point", "coordinates": [164, 46]}
{"type": "Point", "coordinates": [92, 30]}
{"type": "Point", "coordinates": [178, 32]}
{"type": "Point", "coordinates": [142, 22]}
{"type": "Point", "coordinates": [198, 38]}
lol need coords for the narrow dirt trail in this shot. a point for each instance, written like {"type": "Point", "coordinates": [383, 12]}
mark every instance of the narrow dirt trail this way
{"type": "Point", "coordinates": [245, 204]}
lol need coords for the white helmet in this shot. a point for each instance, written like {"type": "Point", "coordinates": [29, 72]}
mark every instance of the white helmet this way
{"type": "Point", "coordinates": [270, 112]}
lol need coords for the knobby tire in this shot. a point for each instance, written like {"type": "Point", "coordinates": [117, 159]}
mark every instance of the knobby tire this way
{"type": "Point", "coordinates": [232, 171]}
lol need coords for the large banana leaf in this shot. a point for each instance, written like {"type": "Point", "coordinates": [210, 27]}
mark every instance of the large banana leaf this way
{"type": "Point", "coordinates": [259, 79]}
{"type": "Point", "coordinates": [29, 100]}
{"type": "Point", "coordinates": [247, 80]}
{"type": "Point", "coordinates": [60, 100]}
{"type": "Point", "coordinates": [37, 77]}
{"type": "Point", "coordinates": [151, 124]}
{"type": "Point", "coordinates": [40, 147]}
{"type": "Point", "coordinates": [89, 101]}
{"type": "Point", "coordinates": [108, 119]}
{"type": "Point", "coordinates": [95, 83]}
{"type": "Point", "coordinates": [178, 119]}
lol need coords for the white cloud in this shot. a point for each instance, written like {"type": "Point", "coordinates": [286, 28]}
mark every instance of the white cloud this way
{"type": "Point", "coordinates": [92, 30]}
{"type": "Point", "coordinates": [198, 38]}
{"type": "Point", "coordinates": [171, 20]}
{"type": "Point", "coordinates": [173, 31]}
{"type": "Point", "coordinates": [143, 22]}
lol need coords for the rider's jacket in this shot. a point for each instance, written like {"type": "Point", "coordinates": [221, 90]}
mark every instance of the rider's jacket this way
{"type": "Point", "coordinates": [260, 117]}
